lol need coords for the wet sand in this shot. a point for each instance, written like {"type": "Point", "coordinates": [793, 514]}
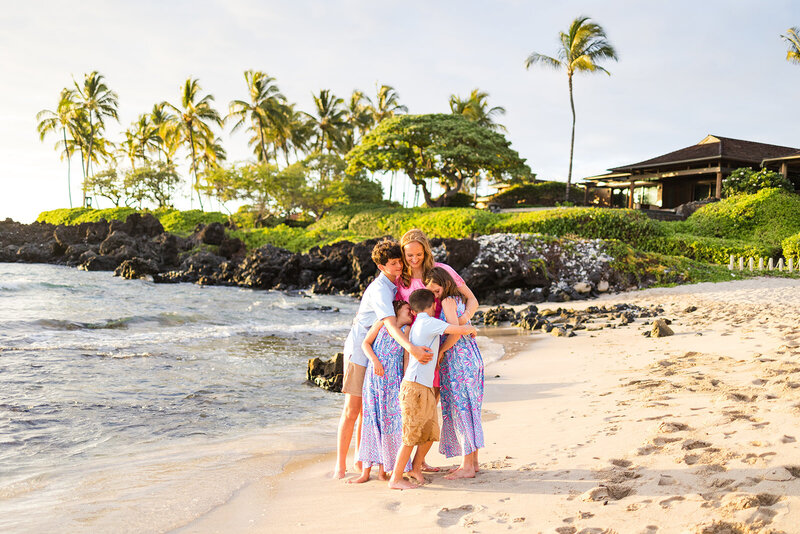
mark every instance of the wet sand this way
{"type": "Point", "coordinates": [608, 431]}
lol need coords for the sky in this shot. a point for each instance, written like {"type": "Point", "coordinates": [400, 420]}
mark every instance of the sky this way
{"type": "Point", "coordinates": [686, 69]}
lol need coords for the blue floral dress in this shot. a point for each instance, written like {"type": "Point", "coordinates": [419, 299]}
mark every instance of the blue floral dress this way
{"type": "Point", "coordinates": [382, 426]}
{"type": "Point", "coordinates": [461, 379]}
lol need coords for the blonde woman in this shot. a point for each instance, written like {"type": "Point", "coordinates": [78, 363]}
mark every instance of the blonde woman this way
{"type": "Point", "coordinates": [417, 261]}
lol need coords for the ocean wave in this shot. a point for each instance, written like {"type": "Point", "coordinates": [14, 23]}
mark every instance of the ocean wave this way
{"type": "Point", "coordinates": [163, 319]}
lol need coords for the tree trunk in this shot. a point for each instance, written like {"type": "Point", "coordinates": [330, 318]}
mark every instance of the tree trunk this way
{"type": "Point", "coordinates": [572, 139]}
{"type": "Point", "coordinates": [69, 167]}
{"type": "Point", "coordinates": [194, 167]}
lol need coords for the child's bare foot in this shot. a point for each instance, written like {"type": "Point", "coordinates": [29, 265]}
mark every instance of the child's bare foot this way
{"type": "Point", "coordinates": [357, 467]}
{"type": "Point", "coordinates": [401, 484]}
{"type": "Point", "coordinates": [430, 469]}
{"type": "Point", "coordinates": [338, 474]}
{"type": "Point", "coordinates": [417, 475]}
{"type": "Point", "coordinates": [383, 475]}
{"type": "Point", "coordinates": [461, 473]}
{"type": "Point", "coordinates": [364, 477]}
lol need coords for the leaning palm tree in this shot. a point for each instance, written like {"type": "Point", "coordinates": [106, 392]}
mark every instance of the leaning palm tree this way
{"type": "Point", "coordinates": [164, 123]}
{"type": "Point", "coordinates": [264, 110]}
{"type": "Point", "coordinates": [193, 123]}
{"type": "Point", "coordinates": [60, 119]}
{"type": "Point", "coordinates": [97, 103]}
{"type": "Point", "coordinates": [476, 108]}
{"type": "Point", "coordinates": [330, 121]}
{"type": "Point", "coordinates": [582, 47]}
{"type": "Point", "coordinates": [792, 38]}
{"type": "Point", "coordinates": [387, 104]}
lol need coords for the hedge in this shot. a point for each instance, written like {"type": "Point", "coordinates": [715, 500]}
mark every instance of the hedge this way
{"type": "Point", "coordinates": [791, 247]}
{"type": "Point", "coordinates": [536, 194]}
{"type": "Point", "coordinates": [709, 249]}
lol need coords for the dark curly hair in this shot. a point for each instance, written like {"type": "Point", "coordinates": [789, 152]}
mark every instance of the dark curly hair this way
{"type": "Point", "coordinates": [385, 250]}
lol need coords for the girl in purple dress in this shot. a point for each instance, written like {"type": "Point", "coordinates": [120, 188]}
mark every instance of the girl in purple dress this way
{"type": "Point", "coordinates": [382, 426]}
{"type": "Point", "coordinates": [461, 382]}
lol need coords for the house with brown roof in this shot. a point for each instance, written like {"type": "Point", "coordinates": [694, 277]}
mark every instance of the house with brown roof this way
{"type": "Point", "coordinates": [692, 173]}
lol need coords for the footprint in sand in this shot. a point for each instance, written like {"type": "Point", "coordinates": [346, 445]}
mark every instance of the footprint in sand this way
{"type": "Point", "coordinates": [447, 517]}
{"type": "Point", "coordinates": [667, 503]}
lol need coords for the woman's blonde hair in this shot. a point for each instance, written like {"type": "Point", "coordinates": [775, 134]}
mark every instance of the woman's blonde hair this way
{"type": "Point", "coordinates": [415, 235]}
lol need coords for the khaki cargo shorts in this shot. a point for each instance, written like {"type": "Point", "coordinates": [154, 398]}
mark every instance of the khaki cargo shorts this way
{"type": "Point", "coordinates": [418, 408]}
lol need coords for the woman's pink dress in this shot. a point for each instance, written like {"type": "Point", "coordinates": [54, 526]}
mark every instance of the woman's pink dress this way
{"type": "Point", "coordinates": [416, 283]}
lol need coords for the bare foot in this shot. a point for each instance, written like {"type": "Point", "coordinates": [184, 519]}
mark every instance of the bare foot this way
{"type": "Point", "coordinates": [430, 469]}
{"type": "Point", "coordinates": [402, 484]}
{"type": "Point", "coordinates": [383, 475]}
{"type": "Point", "coordinates": [364, 477]}
{"type": "Point", "coordinates": [357, 467]}
{"type": "Point", "coordinates": [338, 474]}
{"type": "Point", "coordinates": [461, 473]}
{"type": "Point", "coordinates": [417, 475]}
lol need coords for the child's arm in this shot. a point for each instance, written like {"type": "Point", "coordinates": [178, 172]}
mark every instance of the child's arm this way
{"type": "Point", "coordinates": [366, 346]}
{"type": "Point", "coordinates": [449, 307]}
{"type": "Point", "coordinates": [422, 354]}
{"type": "Point", "coordinates": [471, 303]}
{"type": "Point", "coordinates": [462, 330]}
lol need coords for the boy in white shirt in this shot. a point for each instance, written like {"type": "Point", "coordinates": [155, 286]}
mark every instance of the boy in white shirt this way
{"type": "Point", "coordinates": [376, 304]}
{"type": "Point", "coordinates": [417, 399]}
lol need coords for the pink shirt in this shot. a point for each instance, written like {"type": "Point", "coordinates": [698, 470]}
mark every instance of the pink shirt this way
{"type": "Point", "coordinates": [416, 283]}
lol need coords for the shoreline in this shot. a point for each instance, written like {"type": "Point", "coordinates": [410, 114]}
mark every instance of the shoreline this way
{"type": "Point", "coordinates": [608, 430]}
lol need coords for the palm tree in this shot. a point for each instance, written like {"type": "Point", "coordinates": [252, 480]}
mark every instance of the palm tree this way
{"type": "Point", "coordinates": [265, 111]}
{"type": "Point", "coordinates": [192, 123]}
{"type": "Point", "coordinates": [146, 136]}
{"type": "Point", "coordinates": [97, 102]}
{"type": "Point", "coordinates": [387, 104]}
{"type": "Point", "coordinates": [476, 108]}
{"type": "Point", "coordinates": [359, 118]}
{"type": "Point", "coordinates": [60, 119]}
{"type": "Point", "coordinates": [792, 38]}
{"type": "Point", "coordinates": [582, 47]}
{"type": "Point", "coordinates": [164, 123]}
{"type": "Point", "coordinates": [330, 121]}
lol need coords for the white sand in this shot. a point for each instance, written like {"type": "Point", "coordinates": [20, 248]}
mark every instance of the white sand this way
{"type": "Point", "coordinates": [669, 435]}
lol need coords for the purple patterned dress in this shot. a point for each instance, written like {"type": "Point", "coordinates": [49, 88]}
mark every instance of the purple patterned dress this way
{"type": "Point", "coordinates": [461, 379]}
{"type": "Point", "coordinates": [382, 427]}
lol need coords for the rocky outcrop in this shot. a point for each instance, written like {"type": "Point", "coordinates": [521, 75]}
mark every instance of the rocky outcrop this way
{"type": "Point", "coordinates": [499, 268]}
{"type": "Point", "coordinates": [327, 374]}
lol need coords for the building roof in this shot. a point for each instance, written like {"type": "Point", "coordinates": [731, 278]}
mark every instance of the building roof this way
{"type": "Point", "coordinates": [715, 147]}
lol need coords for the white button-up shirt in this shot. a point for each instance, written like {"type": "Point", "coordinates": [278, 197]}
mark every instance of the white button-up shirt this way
{"type": "Point", "coordinates": [375, 304]}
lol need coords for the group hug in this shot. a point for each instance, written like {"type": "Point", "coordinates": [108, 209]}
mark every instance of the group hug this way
{"type": "Point", "coordinates": [411, 346]}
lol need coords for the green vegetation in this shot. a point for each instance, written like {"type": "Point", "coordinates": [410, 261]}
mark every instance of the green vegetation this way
{"type": "Point", "coordinates": [791, 247]}
{"type": "Point", "coordinates": [533, 194]}
{"type": "Point", "coordinates": [448, 148]}
{"type": "Point", "coordinates": [178, 222]}
{"type": "Point", "coordinates": [751, 181]}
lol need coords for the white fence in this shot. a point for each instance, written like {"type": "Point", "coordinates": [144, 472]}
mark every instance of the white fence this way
{"type": "Point", "coordinates": [754, 264]}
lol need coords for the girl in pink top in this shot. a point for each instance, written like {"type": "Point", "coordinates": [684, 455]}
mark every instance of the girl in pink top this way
{"type": "Point", "coordinates": [417, 261]}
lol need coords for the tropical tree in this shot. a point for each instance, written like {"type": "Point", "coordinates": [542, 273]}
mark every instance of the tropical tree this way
{"type": "Point", "coordinates": [147, 138]}
{"type": "Point", "coordinates": [60, 120]}
{"type": "Point", "coordinates": [359, 119]}
{"type": "Point", "coordinates": [792, 38]}
{"type": "Point", "coordinates": [330, 121]}
{"type": "Point", "coordinates": [387, 104]}
{"type": "Point", "coordinates": [195, 115]}
{"type": "Point", "coordinates": [166, 126]}
{"type": "Point", "coordinates": [106, 184]}
{"type": "Point", "coordinates": [447, 148]}
{"type": "Point", "coordinates": [155, 182]}
{"type": "Point", "coordinates": [582, 47]}
{"type": "Point", "coordinates": [265, 111]}
{"type": "Point", "coordinates": [96, 103]}
{"type": "Point", "coordinates": [476, 108]}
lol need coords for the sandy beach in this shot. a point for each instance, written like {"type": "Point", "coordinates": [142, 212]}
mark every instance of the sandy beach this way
{"type": "Point", "coordinates": [608, 431]}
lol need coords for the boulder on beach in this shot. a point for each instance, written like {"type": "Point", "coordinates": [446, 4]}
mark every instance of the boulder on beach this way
{"type": "Point", "coordinates": [327, 374]}
{"type": "Point", "coordinates": [660, 329]}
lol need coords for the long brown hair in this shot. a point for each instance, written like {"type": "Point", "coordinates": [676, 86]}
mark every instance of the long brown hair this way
{"type": "Point", "coordinates": [440, 277]}
{"type": "Point", "coordinates": [415, 235]}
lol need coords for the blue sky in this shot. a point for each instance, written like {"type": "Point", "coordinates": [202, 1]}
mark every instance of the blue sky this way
{"type": "Point", "coordinates": [686, 69]}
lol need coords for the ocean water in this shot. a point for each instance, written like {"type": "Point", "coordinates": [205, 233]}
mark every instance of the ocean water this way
{"type": "Point", "coordinates": [127, 406]}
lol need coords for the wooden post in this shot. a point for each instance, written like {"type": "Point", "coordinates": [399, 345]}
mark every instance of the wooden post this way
{"type": "Point", "coordinates": [586, 195]}
{"type": "Point", "coordinates": [630, 196]}
{"type": "Point", "coordinates": [760, 264]}
{"type": "Point", "coordinates": [731, 262]}
{"type": "Point", "coordinates": [785, 170]}
{"type": "Point", "coordinates": [741, 263]}
{"type": "Point", "coordinates": [718, 193]}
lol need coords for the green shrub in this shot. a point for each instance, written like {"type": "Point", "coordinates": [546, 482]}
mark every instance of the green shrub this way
{"type": "Point", "coordinates": [630, 226]}
{"type": "Point", "coordinates": [768, 216]}
{"type": "Point", "coordinates": [708, 249]}
{"type": "Point", "coordinates": [82, 215]}
{"type": "Point", "coordinates": [537, 194]}
{"type": "Point", "coordinates": [461, 200]}
{"type": "Point", "coordinates": [184, 222]}
{"type": "Point", "coordinates": [749, 181]}
{"type": "Point", "coordinates": [791, 247]}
